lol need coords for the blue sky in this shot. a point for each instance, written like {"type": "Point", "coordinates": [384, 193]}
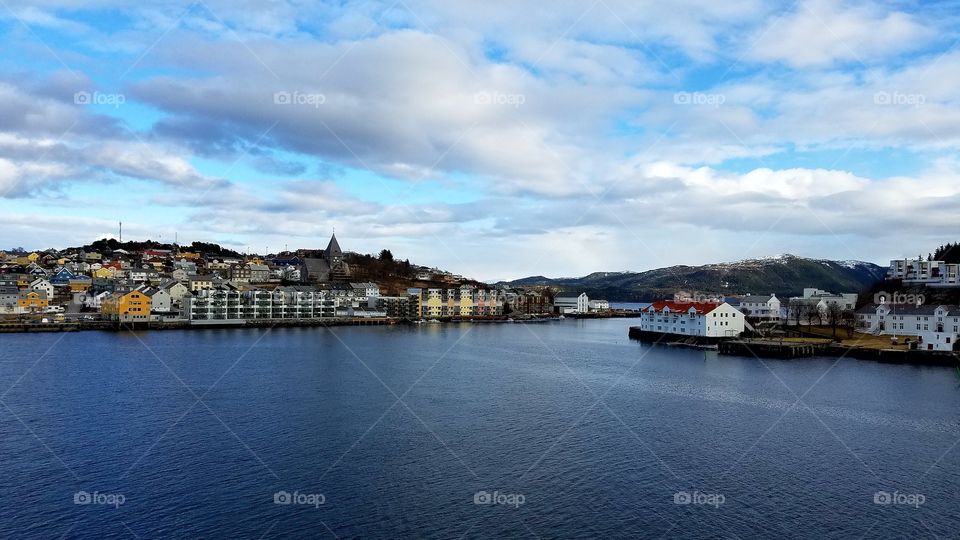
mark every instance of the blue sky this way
{"type": "Point", "coordinates": [494, 140]}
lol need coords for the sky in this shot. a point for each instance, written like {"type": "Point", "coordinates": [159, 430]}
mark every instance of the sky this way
{"type": "Point", "coordinates": [493, 139]}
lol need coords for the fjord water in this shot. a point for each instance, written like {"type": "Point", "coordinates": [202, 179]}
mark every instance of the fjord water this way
{"type": "Point", "coordinates": [399, 428]}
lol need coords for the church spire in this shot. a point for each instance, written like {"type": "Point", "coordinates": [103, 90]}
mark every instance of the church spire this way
{"type": "Point", "coordinates": [333, 251]}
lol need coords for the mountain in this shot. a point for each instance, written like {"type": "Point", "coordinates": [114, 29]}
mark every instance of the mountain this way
{"type": "Point", "coordinates": [784, 275]}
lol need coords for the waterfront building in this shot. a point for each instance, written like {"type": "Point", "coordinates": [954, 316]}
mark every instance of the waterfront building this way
{"type": "Point", "coordinates": [133, 306]}
{"type": "Point", "coordinates": [571, 302]}
{"type": "Point", "coordinates": [692, 319]}
{"type": "Point", "coordinates": [532, 302]}
{"type": "Point", "coordinates": [935, 327]}
{"type": "Point", "coordinates": [599, 306]}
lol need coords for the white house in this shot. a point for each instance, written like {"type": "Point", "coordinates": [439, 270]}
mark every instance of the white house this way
{"type": "Point", "coordinates": [936, 326]}
{"type": "Point", "coordinates": [41, 284]}
{"type": "Point", "coordinates": [761, 307]}
{"type": "Point", "coordinates": [571, 302]}
{"type": "Point", "coordinates": [160, 301]}
{"type": "Point", "coordinates": [364, 292]}
{"type": "Point", "coordinates": [94, 301]}
{"type": "Point", "coordinates": [599, 305]}
{"type": "Point", "coordinates": [692, 319]}
{"type": "Point", "coordinates": [176, 289]}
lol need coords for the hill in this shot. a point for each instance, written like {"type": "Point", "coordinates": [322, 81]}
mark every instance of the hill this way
{"type": "Point", "coordinates": [784, 275]}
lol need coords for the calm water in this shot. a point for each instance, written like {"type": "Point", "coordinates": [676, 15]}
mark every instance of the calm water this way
{"type": "Point", "coordinates": [581, 432]}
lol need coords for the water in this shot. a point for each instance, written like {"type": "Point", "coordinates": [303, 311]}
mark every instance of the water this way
{"type": "Point", "coordinates": [594, 434]}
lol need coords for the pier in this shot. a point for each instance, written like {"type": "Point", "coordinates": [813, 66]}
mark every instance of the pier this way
{"type": "Point", "coordinates": [773, 349]}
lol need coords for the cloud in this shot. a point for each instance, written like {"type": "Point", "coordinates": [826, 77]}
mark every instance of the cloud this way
{"type": "Point", "coordinates": [821, 32]}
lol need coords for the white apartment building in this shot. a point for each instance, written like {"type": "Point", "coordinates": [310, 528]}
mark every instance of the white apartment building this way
{"type": "Point", "coordinates": [693, 319]}
{"type": "Point", "coordinates": [227, 303]}
{"type": "Point", "coordinates": [929, 273]}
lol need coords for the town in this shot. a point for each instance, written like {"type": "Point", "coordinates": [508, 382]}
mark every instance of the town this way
{"type": "Point", "coordinates": [162, 287]}
{"type": "Point", "coordinates": [906, 317]}
{"type": "Point", "coordinates": [112, 287]}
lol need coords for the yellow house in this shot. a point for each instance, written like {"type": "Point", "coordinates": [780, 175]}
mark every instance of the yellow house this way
{"type": "Point", "coordinates": [80, 284]}
{"type": "Point", "coordinates": [32, 301]}
{"type": "Point", "coordinates": [466, 303]}
{"type": "Point", "coordinates": [33, 257]}
{"type": "Point", "coordinates": [105, 272]}
{"type": "Point", "coordinates": [133, 306]}
{"type": "Point", "coordinates": [200, 283]}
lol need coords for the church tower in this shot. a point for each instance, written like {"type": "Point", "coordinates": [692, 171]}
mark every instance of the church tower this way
{"type": "Point", "coordinates": [333, 254]}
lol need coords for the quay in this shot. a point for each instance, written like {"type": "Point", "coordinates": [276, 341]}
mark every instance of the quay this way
{"type": "Point", "coordinates": [773, 348]}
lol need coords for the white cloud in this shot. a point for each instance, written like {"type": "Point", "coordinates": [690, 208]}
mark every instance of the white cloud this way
{"type": "Point", "coordinates": [821, 32]}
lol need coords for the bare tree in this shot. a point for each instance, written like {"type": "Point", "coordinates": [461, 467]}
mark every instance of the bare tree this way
{"type": "Point", "coordinates": [809, 313]}
{"type": "Point", "coordinates": [834, 316]}
{"type": "Point", "coordinates": [795, 310]}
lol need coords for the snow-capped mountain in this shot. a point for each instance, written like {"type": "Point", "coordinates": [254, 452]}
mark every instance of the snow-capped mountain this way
{"type": "Point", "coordinates": [783, 275]}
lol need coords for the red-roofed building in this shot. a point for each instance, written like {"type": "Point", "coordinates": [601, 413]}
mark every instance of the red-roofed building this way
{"type": "Point", "coordinates": [692, 319]}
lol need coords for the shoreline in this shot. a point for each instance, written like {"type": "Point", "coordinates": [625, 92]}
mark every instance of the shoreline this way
{"type": "Point", "coordinates": [774, 349]}
{"type": "Point", "coordinates": [114, 326]}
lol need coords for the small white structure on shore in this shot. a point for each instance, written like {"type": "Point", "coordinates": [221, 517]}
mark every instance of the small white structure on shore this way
{"type": "Point", "coordinates": [571, 302]}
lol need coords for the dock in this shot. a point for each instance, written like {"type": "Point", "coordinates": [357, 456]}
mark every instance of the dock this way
{"type": "Point", "coordinates": [773, 349]}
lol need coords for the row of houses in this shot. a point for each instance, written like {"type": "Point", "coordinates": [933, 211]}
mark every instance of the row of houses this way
{"type": "Point", "coordinates": [771, 308]}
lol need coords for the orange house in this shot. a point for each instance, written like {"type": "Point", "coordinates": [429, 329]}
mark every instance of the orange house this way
{"type": "Point", "coordinates": [30, 301]}
{"type": "Point", "coordinates": [133, 306]}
